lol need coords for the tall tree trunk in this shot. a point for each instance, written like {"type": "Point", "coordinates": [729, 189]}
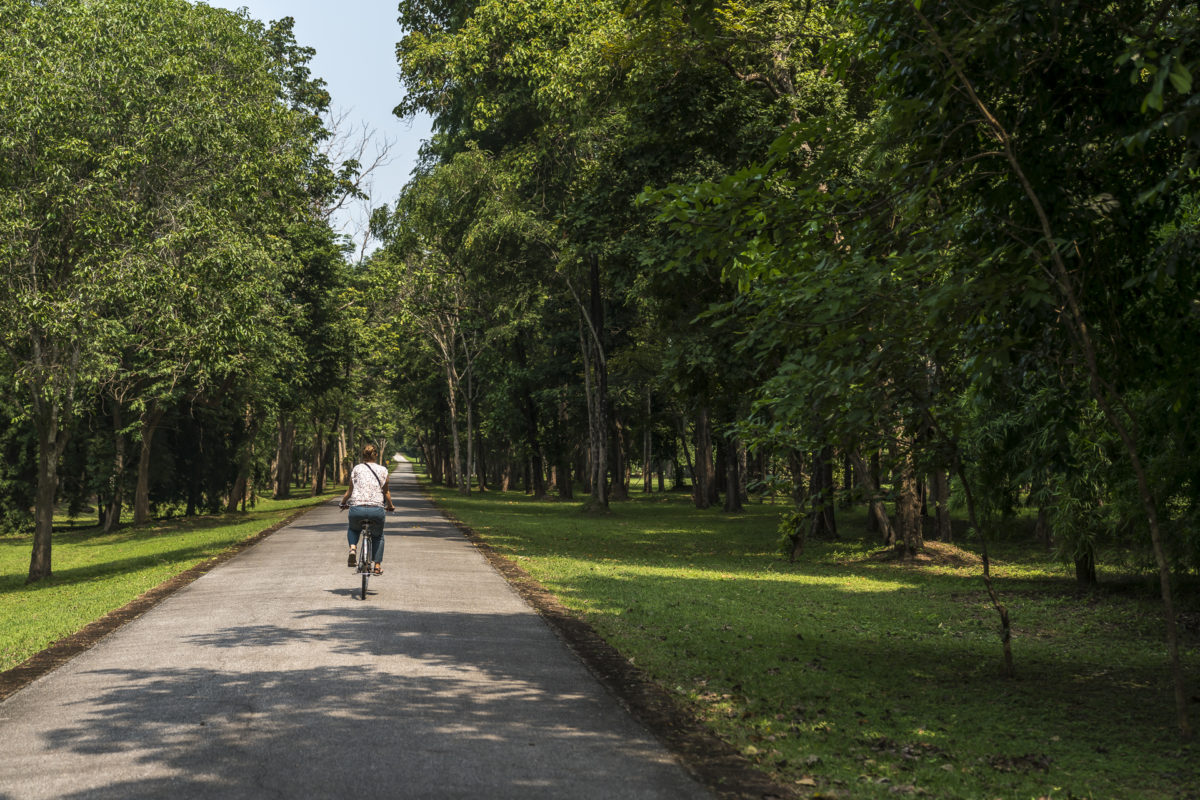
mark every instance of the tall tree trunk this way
{"type": "Point", "coordinates": [620, 461]}
{"type": "Point", "coordinates": [824, 523]}
{"type": "Point", "coordinates": [283, 458]}
{"type": "Point", "coordinates": [452, 398]}
{"type": "Point", "coordinates": [877, 517]}
{"type": "Point", "coordinates": [701, 489]}
{"type": "Point", "coordinates": [141, 498]}
{"type": "Point", "coordinates": [447, 467]}
{"type": "Point", "coordinates": [195, 446]}
{"type": "Point", "coordinates": [566, 488]}
{"type": "Point", "coordinates": [117, 483]}
{"type": "Point", "coordinates": [595, 370]}
{"type": "Point", "coordinates": [535, 482]}
{"type": "Point", "coordinates": [465, 488]}
{"type": "Point", "coordinates": [481, 462]}
{"type": "Point", "coordinates": [687, 457]}
{"type": "Point", "coordinates": [341, 477]}
{"type": "Point", "coordinates": [51, 442]}
{"type": "Point", "coordinates": [743, 459]}
{"type": "Point", "coordinates": [941, 503]}
{"type": "Point", "coordinates": [848, 481]}
{"type": "Point", "coordinates": [647, 438]}
{"type": "Point", "coordinates": [911, 537]}
{"type": "Point", "coordinates": [872, 499]}
{"type": "Point", "coordinates": [318, 460]}
{"type": "Point", "coordinates": [733, 497]}
{"type": "Point", "coordinates": [538, 462]}
{"type": "Point", "coordinates": [241, 483]}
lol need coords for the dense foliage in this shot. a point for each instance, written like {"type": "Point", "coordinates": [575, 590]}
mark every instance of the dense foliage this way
{"type": "Point", "coordinates": [171, 284]}
{"type": "Point", "coordinates": [908, 254]}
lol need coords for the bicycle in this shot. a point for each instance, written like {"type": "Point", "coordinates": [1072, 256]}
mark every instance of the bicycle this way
{"type": "Point", "coordinates": [364, 565]}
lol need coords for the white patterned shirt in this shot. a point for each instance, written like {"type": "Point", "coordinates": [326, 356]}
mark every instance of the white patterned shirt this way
{"type": "Point", "coordinates": [366, 479]}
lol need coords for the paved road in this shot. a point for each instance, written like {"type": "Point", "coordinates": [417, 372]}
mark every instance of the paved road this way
{"type": "Point", "coordinates": [261, 679]}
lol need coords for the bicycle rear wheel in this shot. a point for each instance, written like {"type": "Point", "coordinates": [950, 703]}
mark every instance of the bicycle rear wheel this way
{"type": "Point", "coordinates": [364, 558]}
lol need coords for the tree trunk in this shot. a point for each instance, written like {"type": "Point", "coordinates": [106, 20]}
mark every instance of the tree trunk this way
{"type": "Point", "coordinates": [877, 518]}
{"type": "Point", "coordinates": [141, 498]}
{"type": "Point", "coordinates": [241, 483]}
{"type": "Point", "coordinates": [701, 491]}
{"type": "Point", "coordinates": [743, 471]}
{"type": "Point", "coordinates": [687, 457]}
{"type": "Point", "coordinates": [646, 447]}
{"type": "Point", "coordinates": [592, 342]}
{"type": "Point", "coordinates": [911, 537]}
{"type": "Point", "coordinates": [566, 489]}
{"type": "Point", "coordinates": [452, 400]}
{"type": "Point", "coordinates": [466, 484]}
{"type": "Point", "coordinates": [283, 458]}
{"type": "Point", "coordinates": [480, 463]}
{"type": "Point", "coordinates": [620, 461]}
{"type": "Point", "coordinates": [941, 502]}
{"type": "Point", "coordinates": [51, 442]}
{"type": "Point", "coordinates": [871, 479]}
{"type": "Point", "coordinates": [847, 482]}
{"type": "Point", "coordinates": [318, 460]}
{"type": "Point", "coordinates": [447, 467]}
{"type": "Point", "coordinates": [824, 523]}
{"type": "Point", "coordinates": [117, 483]}
{"type": "Point", "coordinates": [733, 497]}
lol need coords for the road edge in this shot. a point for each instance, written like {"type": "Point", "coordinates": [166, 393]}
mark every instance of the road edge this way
{"type": "Point", "coordinates": [710, 760]}
{"type": "Point", "coordinates": [13, 679]}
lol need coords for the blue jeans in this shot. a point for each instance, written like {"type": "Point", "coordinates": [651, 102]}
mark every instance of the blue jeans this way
{"type": "Point", "coordinates": [375, 516]}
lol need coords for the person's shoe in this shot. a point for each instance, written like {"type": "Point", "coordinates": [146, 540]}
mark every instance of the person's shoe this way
{"type": "Point", "coordinates": [378, 569]}
{"type": "Point", "coordinates": [352, 559]}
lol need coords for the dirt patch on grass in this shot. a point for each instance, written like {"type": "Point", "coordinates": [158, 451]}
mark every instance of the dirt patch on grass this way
{"type": "Point", "coordinates": [711, 760]}
{"type": "Point", "coordinates": [934, 554]}
{"type": "Point", "coordinates": [64, 650]}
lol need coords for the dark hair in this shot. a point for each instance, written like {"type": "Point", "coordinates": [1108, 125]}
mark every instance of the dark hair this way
{"type": "Point", "coordinates": [370, 453]}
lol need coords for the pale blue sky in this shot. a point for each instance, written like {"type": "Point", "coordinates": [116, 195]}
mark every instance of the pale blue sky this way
{"type": "Point", "coordinates": [355, 42]}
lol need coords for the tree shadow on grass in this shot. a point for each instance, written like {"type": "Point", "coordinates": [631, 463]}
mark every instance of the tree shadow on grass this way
{"type": "Point", "coordinates": [844, 666]}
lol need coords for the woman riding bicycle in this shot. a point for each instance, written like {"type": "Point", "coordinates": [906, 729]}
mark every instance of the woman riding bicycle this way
{"type": "Point", "coordinates": [367, 496]}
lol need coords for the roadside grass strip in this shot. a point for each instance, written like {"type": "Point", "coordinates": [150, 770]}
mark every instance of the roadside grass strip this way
{"type": "Point", "coordinates": [851, 675]}
{"type": "Point", "coordinates": [96, 573]}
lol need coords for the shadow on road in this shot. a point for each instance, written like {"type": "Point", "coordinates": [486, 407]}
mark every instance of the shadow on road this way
{"type": "Point", "coordinates": [460, 695]}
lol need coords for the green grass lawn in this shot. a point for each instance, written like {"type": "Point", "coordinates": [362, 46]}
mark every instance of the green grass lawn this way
{"type": "Point", "coordinates": [848, 675]}
{"type": "Point", "coordinates": [95, 573]}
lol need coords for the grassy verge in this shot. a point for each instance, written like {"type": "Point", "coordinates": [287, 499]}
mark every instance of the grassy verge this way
{"type": "Point", "coordinates": [95, 573]}
{"type": "Point", "coordinates": [847, 675]}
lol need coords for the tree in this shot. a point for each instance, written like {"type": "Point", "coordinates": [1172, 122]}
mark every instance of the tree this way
{"type": "Point", "coordinates": [154, 162]}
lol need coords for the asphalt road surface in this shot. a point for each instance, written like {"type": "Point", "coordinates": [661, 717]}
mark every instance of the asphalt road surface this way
{"type": "Point", "coordinates": [269, 678]}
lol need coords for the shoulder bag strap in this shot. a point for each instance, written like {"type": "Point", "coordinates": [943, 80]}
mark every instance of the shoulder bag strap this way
{"type": "Point", "coordinates": [373, 472]}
